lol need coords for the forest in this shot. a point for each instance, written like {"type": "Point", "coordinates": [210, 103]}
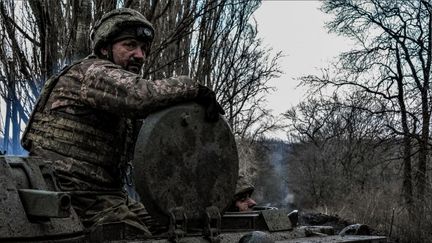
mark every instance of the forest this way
{"type": "Point", "coordinates": [359, 145]}
{"type": "Point", "coordinates": [214, 42]}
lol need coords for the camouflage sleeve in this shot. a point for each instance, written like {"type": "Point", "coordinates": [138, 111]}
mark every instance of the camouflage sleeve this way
{"type": "Point", "coordinates": [113, 89]}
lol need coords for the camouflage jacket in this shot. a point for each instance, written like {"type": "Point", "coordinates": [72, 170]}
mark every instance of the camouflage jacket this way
{"type": "Point", "coordinates": [84, 120]}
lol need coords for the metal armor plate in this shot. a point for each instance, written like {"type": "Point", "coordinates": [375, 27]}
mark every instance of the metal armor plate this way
{"type": "Point", "coordinates": [181, 160]}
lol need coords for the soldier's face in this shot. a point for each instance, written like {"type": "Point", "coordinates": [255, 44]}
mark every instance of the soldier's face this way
{"type": "Point", "coordinates": [245, 204]}
{"type": "Point", "coordinates": [130, 54]}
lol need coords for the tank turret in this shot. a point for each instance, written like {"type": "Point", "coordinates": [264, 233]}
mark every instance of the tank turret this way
{"type": "Point", "coordinates": [185, 170]}
{"type": "Point", "coordinates": [31, 209]}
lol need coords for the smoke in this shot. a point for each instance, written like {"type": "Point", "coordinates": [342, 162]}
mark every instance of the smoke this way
{"type": "Point", "coordinates": [271, 184]}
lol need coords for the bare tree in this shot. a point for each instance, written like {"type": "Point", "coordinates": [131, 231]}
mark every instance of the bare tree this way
{"type": "Point", "coordinates": [215, 42]}
{"type": "Point", "coordinates": [392, 64]}
{"type": "Point", "coordinates": [340, 148]}
{"type": "Point", "coordinates": [19, 85]}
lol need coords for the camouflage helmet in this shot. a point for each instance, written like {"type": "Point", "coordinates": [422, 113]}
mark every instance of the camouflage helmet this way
{"type": "Point", "coordinates": [243, 187]}
{"type": "Point", "coordinates": [115, 22]}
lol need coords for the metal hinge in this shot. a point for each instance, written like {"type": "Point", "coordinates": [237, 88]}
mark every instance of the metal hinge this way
{"type": "Point", "coordinates": [178, 224]}
{"type": "Point", "coordinates": [213, 224]}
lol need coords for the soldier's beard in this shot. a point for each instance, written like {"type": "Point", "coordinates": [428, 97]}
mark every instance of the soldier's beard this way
{"type": "Point", "coordinates": [134, 65]}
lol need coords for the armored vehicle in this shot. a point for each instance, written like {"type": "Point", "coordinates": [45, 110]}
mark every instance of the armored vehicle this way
{"type": "Point", "coordinates": [185, 170]}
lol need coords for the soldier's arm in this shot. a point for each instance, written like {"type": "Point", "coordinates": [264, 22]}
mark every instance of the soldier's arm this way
{"type": "Point", "coordinates": [113, 89]}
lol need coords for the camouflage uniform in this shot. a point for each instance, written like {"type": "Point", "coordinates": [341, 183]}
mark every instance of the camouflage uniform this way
{"type": "Point", "coordinates": [85, 122]}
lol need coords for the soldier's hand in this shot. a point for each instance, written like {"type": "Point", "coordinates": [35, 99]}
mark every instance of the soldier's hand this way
{"type": "Point", "coordinates": [207, 98]}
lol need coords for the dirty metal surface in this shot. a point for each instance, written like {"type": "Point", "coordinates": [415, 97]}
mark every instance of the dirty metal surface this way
{"type": "Point", "coordinates": [338, 239]}
{"type": "Point", "coordinates": [243, 221]}
{"type": "Point", "coordinates": [279, 237]}
{"type": "Point", "coordinates": [181, 160]}
{"type": "Point", "coordinates": [116, 233]}
{"type": "Point", "coordinates": [277, 220]}
{"type": "Point", "coordinates": [15, 225]}
{"type": "Point", "coordinates": [46, 204]}
{"type": "Point", "coordinates": [295, 236]}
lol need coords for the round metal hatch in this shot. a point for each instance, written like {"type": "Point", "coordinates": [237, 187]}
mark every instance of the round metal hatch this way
{"type": "Point", "coordinates": [181, 160]}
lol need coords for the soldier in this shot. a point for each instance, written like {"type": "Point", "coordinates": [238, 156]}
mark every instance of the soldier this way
{"type": "Point", "coordinates": [84, 122]}
{"type": "Point", "coordinates": [242, 201]}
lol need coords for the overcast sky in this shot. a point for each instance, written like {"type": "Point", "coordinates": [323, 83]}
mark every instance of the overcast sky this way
{"type": "Point", "coordinates": [296, 27]}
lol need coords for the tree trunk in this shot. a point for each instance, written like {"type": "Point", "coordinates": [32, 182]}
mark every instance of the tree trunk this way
{"type": "Point", "coordinates": [82, 15]}
{"type": "Point", "coordinates": [406, 144]}
{"type": "Point", "coordinates": [423, 147]}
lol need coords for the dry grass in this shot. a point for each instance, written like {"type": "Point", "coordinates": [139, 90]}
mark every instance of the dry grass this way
{"type": "Point", "coordinates": [385, 213]}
